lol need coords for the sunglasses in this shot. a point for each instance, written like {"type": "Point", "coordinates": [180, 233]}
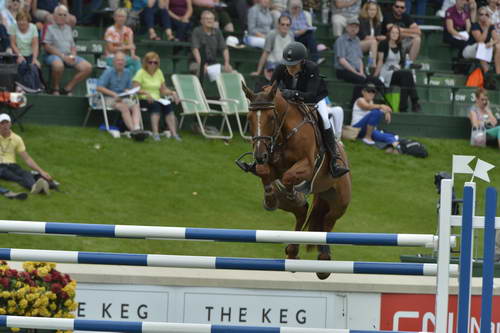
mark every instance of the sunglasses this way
{"type": "Point", "coordinates": [399, 7]}
{"type": "Point", "coordinates": [369, 90]}
{"type": "Point", "coordinates": [285, 24]}
{"type": "Point", "coordinates": [153, 62]}
{"type": "Point", "coordinates": [484, 14]}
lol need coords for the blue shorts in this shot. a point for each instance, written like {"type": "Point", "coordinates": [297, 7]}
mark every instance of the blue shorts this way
{"type": "Point", "coordinates": [49, 59]}
{"type": "Point", "coordinates": [156, 107]}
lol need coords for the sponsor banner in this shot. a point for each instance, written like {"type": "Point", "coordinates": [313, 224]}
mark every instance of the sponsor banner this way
{"type": "Point", "coordinates": [413, 312]}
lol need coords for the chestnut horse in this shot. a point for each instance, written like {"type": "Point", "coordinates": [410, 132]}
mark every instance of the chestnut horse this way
{"type": "Point", "coordinates": [286, 148]}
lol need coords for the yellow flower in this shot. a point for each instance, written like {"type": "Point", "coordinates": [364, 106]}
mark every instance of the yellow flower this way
{"type": "Point", "coordinates": [5, 294]}
{"type": "Point", "coordinates": [2, 311]}
{"type": "Point", "coordinates": [43, 271]}
{"type": "Point", "coordinates": [52, 306]}
{"type": "Point", "coordinates": [34, 312]}
{"type": "Point", "coordinates": [11, 311]}
{"type": "Point", "coordinates": [51, 295]}
{"type": "Point", "coordinates": [14, 329]}
{"type": "Point", "coordinates": [11, 303]}
{"type": "Point", "coordinates": [23, 303]}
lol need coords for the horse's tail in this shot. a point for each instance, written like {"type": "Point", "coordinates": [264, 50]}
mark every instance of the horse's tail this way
{"type": "Point", "coordinates": [315, 219]}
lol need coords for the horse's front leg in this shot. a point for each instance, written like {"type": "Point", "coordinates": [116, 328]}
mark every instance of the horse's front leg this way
{"type": "Point", "coordinates": [267, 175]}
{"type": "Point", "coordinates": [300, 171]}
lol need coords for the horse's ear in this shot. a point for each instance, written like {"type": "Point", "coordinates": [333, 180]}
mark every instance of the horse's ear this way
{"type": "Point", "coordinates": [248, 93]}
{"type": "Point", "coordinates": [273, 91]}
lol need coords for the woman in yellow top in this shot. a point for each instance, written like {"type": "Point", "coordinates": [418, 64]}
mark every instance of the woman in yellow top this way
{"type": "Point", "coordinates": [153, 91]}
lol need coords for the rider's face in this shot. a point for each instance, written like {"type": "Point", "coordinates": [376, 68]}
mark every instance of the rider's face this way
{"type": "Point", "coordinates": [293, 69]}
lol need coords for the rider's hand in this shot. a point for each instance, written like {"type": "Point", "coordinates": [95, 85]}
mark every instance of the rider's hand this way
{"type": "Point", "coordinates": [289, 94]}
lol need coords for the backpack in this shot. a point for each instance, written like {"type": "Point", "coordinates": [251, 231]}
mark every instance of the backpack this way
{"type": "Point", "coordinates": [28, 75]}
{"type": "Point", "coordinates": [414, 148]}
{"type": "Point", "coordinates": [475, 78]}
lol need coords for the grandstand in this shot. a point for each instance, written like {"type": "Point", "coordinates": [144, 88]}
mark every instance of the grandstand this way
{"type": "Point", "coordinates": [443, 95]}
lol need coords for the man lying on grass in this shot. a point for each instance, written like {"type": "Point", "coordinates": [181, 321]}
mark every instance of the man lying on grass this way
{"type": "Point", "coordinates": [10, 144]}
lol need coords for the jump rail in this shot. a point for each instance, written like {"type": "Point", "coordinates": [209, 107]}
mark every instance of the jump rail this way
{"type": "Point", "coordinates": [227, 235]}
{"type": "Point", "coordinates": [156, 327]}
{"type": "Point", "coordinates": [157, 260]}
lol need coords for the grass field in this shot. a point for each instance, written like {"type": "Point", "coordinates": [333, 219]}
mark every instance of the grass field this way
{"type": "Point", "coordinates": [154, 183]}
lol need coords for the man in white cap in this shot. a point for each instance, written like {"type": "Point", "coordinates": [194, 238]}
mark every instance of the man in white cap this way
{"type": "Point", "coordinates": [10, 144]}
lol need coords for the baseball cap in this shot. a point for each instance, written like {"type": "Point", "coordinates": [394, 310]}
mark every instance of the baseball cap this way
{"type": "Point", "coordinates": [353, 20]}
{"type": "Point", "coordinates": [370, 87]}
{"type": "Point", "coordinates": [270, 66]}
{"type": "Point", "coordinates": [4, 117]}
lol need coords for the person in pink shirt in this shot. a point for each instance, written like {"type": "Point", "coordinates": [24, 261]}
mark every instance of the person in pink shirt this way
{"type": "Point", "coordinates": [457, 26]}
{"type": "Point", "coordinates": [119, 37]}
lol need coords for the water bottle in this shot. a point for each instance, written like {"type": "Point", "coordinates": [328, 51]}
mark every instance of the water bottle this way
{"type": "Point", "coordinates": [325, 12]}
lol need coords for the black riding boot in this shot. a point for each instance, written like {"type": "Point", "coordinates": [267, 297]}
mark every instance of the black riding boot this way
{"type": "Point", "coordinates": [329, 140]}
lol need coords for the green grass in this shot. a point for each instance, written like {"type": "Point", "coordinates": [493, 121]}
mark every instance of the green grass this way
{"type": "Point", "coordinates": [153, 183]}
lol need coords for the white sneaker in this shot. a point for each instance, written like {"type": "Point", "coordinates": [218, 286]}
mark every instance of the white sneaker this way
{"type": "Point", "coordinates": [368, 141]}
{"type": "Point", "coordinates": [40, 186]}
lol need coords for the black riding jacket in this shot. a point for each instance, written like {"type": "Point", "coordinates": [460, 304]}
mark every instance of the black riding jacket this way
{"type": "Point", "coordinates": [311, 88]}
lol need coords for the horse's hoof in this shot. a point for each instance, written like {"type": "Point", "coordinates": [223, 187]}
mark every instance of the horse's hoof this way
{"type": "Point", "coordinates": [269, 208]}
{"type": "Point", "coordinates": [323, 276]}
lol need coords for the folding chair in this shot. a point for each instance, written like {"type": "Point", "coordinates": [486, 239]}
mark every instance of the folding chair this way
{"type": "Point", "coordinates": [230, 91]}
{"type": "Point", "coordinates": [97, 103]}
{"type": "Point", "coordinates": [194, 103]}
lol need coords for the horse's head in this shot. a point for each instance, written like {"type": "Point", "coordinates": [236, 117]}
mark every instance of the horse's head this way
{"type": "Point", "coordinates": [263, 122]}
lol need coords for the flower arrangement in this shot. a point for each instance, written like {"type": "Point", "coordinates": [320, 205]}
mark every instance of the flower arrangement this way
{"type": "Point", "coordinates": [38, 291]}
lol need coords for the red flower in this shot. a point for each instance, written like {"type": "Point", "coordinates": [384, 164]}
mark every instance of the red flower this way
{"type": "Point", "coordinates": [4, 282]}
{"type": "Point", "coordinates": [64, 295]}
{"type": "Point", "coordinates": [11, 273]}
{"type": "Point", "coordinates": [47, 278]}
{"type": "Point", "coordinates": [56, 288]}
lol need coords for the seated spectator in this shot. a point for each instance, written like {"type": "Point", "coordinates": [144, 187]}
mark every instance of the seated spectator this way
{"type": "Point", "coordinates": [349, 60]}
{"type": "Point", "coordinates": [470, 6]}
{"type": "Point", "coordinates": [302, 29]}
{"type": "Point", "coordinates": [239, 9]}
{"type": "Point", "coordinates": [157, 10]}
{"type": "Point", "coordinates": [494, 11]}
{"type": "Point", "coordinates": [483, 32]}
{"type": "Point", "coordinates": [11, 144]}
{"type": "Point", "coordinates": [390, 63]}
{"type": "Point", "coordinates": [457, 26]}
{"type": "Point", "coordinates": [4, 40]}
{"type": "Point", "coordinates": [275, 43]}
{"type": "Point", "coordinates": [152, 83]}
{"type": "Point", "coordinates": [342, 11]}
{"type": "Point", "coordinates": [13, 195]}
{"type": "Point", "coordinates": [366, 115]}
{"type": "Point", "coordinates": [265, 79]}
{"type": "Point", "coordinates": [207, 41]}
{"type": "Point", "coordinates": [180, 12]}
{"type": "Point", "coordinates": [61, 52]}
{"type": "Point", "coordinates": [114, 81]}
{"type": "Point", "coordinates": [24, 40]}
{"type": "Point", "coordinates": [410, 31]}
{"type": "Point", "coordinates": [9, 14]}
{"type": "Point", "coordinates": [482, 121]}
{"type": "Point", "coordinates": [44, 11]}
{"type": "Point", "coordinates": [120, 38]}
{"type": "Point", "coordinates": [370, 30]}
{"type": "Point", "coordinates": [260, 23]}
{"type": "Point", "coordinates": [218, 8]}
{"type": "Point", "coordinates": [277, 8]}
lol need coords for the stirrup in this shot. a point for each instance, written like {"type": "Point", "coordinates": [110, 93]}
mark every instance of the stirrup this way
{"type": "Point", "coordinates": [338, 171]}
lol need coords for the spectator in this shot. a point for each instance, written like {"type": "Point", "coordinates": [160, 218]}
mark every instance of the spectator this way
{"type": "Point", "coordinates": [370, 30]}
{"type": "Point", "coordinates": [470, 6]}
{"type": "Point", "coordinates": [421, 9]}
{"type": "Point", "coordinates": [24, 39]}
{"type": "Point", "coordinates": [218, 8]}
{"type": "Point", "coordinates": [342, 11]}
{"type": "Point", "coordinates": [4, 40]}
{"type": "Point", "coordinates": [265, 79]}
{"type": "Point", "coordinates": [44, 11]}
{"type": "Point", "coordinates": [86, 11]}
{"type": "Point", "coordinates": [114, 81]}
{"type": "Point", "coordinates": [9, 14]}
{"type": "Point", "coordinates": [303, 30]}
{"type": "Point", "coordinates": [120, 38]}
{"type": "Point", "coordinates": [260, 23]}
{"type": "Point", "coordinates": [390, 62]}
{"type": "Point", "coordinates": [61, 52]}
{"type": "Point", "coordinates": [494, 11]}
{"type": "Point", "coordinates": [366, 115]}
{"type": "Point", "coordinates": [410, 31]}
{"type": "Point", "coordinates": [13, 195]}
{"type": "Point", "coordinates": [239, 9]}
{"type": "Point", "coordinates": [180, 12]}
{"type": "Point", "coordinates": [157, 10]}
{"type": "Point", "coordinates": [481, 118]}
{"type": "Point", "coordinates": [152, 83]}
{"type": "Point", "coordinates": [208, 41]}
{"type": "Point", "coordinates": [275, 43]}
{"type": "Point", "coordinates": [349, 59]}
{"type": "Point", "coordinates": [483, 32]}
{"type": "Point", "coordinates": [10, 144]}
{"type": "Point", "coordinates": [457, 26]}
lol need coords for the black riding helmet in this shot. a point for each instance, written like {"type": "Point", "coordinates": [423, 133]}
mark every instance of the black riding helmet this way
{"type": "Point", "coordinates": [294, 53]}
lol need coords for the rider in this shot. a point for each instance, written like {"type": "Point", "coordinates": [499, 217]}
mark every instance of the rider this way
{"type": "Point", "coordinates": [299, 80]}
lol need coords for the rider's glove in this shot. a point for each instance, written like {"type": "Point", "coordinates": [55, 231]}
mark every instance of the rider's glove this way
{"type": "Point", "coordinates": [290, 94]}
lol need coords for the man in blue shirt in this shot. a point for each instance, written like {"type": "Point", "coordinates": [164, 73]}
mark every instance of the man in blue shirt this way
{"type": "Point", "coordinates": [114, 81]}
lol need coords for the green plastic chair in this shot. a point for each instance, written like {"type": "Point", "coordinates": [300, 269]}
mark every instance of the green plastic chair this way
{"type": "Point", "coordinates": [230, 91]}
{"type": "Point", "coordinates": [194, 103]}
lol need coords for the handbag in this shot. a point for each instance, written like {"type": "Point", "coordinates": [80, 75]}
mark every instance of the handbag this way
{"type": "Point", "coordinates": [478, 137]}
{"type": "Point", "coordinates": [350, 132]}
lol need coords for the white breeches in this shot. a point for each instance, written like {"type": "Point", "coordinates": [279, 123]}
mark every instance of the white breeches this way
{"type": "Point", "coordinates": [331, 116]}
